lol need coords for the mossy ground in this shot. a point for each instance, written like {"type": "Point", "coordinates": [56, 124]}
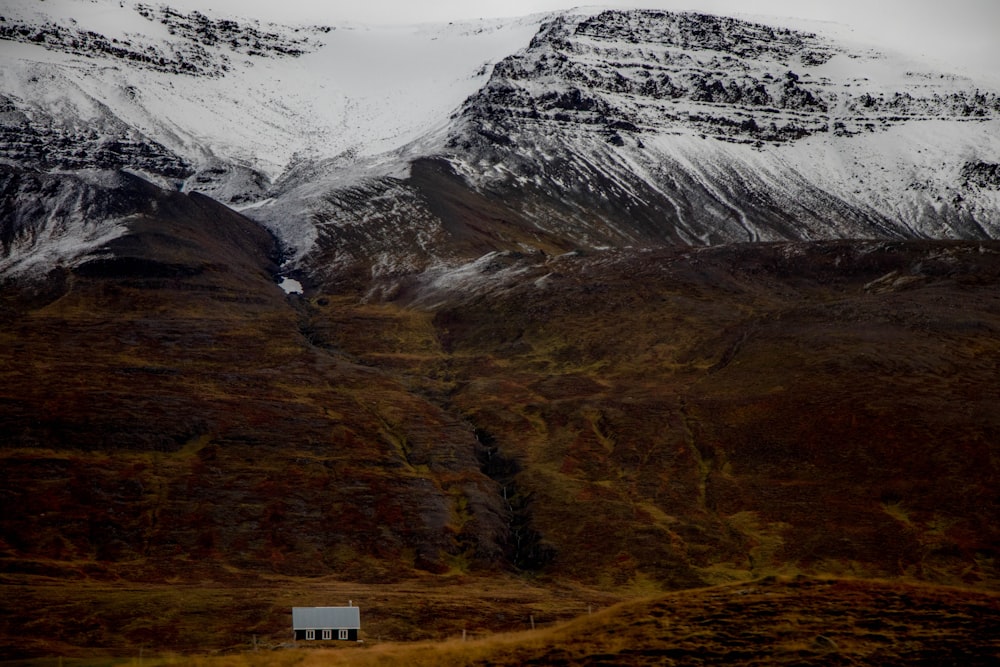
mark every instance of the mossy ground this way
{"type": "Point", "coordinates": [180, 472]}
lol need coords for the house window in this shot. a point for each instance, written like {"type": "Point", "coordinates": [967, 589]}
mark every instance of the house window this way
{"type": "Point", "coordinates": [310, 634]}
{"type": "Point", "coordinates": [341, 634]}
{"type": "Point", "coordinates": [328, 634]}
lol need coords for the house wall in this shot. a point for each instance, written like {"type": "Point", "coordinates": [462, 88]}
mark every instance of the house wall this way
{"type": "Point", "coordinates": [352, 635]}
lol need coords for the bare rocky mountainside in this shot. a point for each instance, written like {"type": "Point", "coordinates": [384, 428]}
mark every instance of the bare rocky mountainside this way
{"type": "Point", "coordinates": [618, 303]}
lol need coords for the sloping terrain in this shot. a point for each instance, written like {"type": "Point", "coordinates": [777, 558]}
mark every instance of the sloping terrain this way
{"type": "Point", "coordinates": [728, 411]}
{"type": "Point", "coordinates": [707, 129]}
{"type": "Point", "coordinates": [629, 422]}
{"type": "Point", "coordinates": [225, 104]}
{"type": "Point", "coordinates": [164, 412]}
{"type": "Point", "coordinates": [658, 128]}
{"type": "Point", "coordinates": [800, 621]}
{"type": "Point", "coordinates": [571, 130]}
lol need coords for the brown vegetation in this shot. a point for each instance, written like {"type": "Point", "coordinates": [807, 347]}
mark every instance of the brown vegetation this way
{"type": "Point", "coordinates": [187, 452]}
{"type": "Point", "coordinates": [798, 621]}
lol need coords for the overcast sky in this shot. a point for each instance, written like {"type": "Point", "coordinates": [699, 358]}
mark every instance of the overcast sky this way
{"type": "Point", "coordinates": [963, 33]}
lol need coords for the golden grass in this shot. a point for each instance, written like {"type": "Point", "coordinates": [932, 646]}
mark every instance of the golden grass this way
{"type": "Point", "coordinates": [84, 617]}
{"type": "Point", "coordinates": [766, 621]}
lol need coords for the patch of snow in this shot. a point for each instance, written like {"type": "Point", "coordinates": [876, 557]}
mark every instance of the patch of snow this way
{"type": "Point", "coordinates": [249, 207]}
{"type": "Point", "coordinates": [448, 280]}
{"type": "Point", "coordinates": [290, 285]}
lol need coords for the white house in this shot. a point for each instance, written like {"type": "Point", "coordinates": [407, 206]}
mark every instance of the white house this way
{"type": "Point", "coordinates": [326, 623]}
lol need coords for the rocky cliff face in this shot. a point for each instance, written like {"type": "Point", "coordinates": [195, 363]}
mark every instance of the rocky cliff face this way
{"type": "Point", "coordinates": [627, 70]}
{"type": "Point", "coordinates": [706, 129]}
{"type": "Point", "coordinates": [52, 122]}
{"type": "Point", "coordinates": [38, 138]}
{"type": "Point", "coordinates": [197, 45]}
{"type": "Point", "coordinates": [132, 86]}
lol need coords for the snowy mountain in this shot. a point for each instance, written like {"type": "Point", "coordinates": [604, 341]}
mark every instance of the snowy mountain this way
{"type": "Point", "coordinates": [391, 150]}
{"type": "Point", "coordinates": [719, 130]}
{"type": "Point", "coordinates": [637, 128]}
{"type": "Point", "coordinates": [211, 92]}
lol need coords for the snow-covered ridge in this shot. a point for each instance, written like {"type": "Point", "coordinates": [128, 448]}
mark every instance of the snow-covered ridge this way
{"type": "Point", "coordinates": [212, 94]}
{"type": "Point", "coordinates": [194, 44]}
{"type": "Point", "coordinates": [729, 79]}
{"type": "Point", "coordinates": [651, 126]}
{"type": "Point", "coordinates": [388, 150]}
{"type": "Point", "coordinates": [60, 219]}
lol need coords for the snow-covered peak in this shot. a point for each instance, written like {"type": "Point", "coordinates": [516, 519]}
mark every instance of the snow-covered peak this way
{"type": "Point", "coordinates": [214, 90]}
{"type": "Point", "coordinates": [657, 69]}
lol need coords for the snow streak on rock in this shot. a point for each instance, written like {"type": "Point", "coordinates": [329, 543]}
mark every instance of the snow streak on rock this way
{"type": "Point", "coordinates": [60, 219]}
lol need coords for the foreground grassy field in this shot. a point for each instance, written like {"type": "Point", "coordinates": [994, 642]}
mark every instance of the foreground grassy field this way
{"type": "Point", "coordinates": [801, 621]}
{"type": "Point", "coordinates": [44, 617]}
{"type": "Point", "coordinates": [796, 621]}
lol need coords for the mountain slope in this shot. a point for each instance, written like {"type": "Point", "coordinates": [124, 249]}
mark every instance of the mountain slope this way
{"type": "Point", "coordinates": [162, 402]}
{"type": "Point", "coordinates": [723, 130]}
{"type": "Point", "coordinates": [228, 103]}
{"type": "Point", "coordinates": [748, 407]}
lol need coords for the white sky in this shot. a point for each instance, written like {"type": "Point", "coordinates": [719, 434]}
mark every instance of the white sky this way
{"type": "Point", "coordinates": [962, 33]}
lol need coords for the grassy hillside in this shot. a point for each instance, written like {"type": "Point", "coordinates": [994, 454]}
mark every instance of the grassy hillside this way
{"type": "Point", "coordinates": [800, 621]}
{"type": "Point", "coordinates": [186, 452]}
{"type": "Point", "coordinates": [165, 414]}
{"type": "Point", "coordinates": [675, 418]}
